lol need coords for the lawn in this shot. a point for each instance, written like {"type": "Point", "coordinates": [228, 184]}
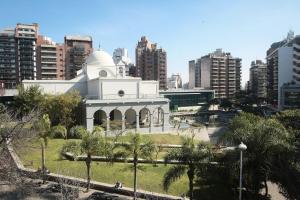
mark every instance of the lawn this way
{"type": "Point", "coordinates": [150, 179]}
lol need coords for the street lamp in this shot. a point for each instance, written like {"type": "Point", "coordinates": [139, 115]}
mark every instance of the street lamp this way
{"type": "Point", "coordinates": [242, 147]}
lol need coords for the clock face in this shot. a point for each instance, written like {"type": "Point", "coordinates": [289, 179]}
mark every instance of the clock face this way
{"type": "Point", "coordinates": [121, 93]}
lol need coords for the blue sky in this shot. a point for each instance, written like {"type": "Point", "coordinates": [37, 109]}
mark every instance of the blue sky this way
{"type": "Point", "coordinates": [186, 29]}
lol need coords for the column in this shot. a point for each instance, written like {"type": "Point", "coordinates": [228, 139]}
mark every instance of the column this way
{"type": "Point", "coordinates": [89, 124]}
{"type": "Point", "coordinates": [123, 123]}
{"type": "Point", "coordinates": [107, 125]}
{"type": "Point", "coordinates": [151, 122]}
{"type": "Point", "coordinates": [166, 123]}
{"type": "Point", "coordinates": [137, 123]}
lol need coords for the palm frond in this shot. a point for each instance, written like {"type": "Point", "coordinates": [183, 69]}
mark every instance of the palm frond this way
{"type": "Point", "coordinates": [173, 174]}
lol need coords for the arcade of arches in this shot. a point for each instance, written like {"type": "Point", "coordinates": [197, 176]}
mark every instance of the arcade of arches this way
{"type": "Point", "coordinates": [142, 118]}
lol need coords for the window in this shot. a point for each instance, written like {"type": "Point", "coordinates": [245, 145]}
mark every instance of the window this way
{"type": "Point", "coordinates": [121, 93]}
{"type": "Point", "coordinates": [103, 73]}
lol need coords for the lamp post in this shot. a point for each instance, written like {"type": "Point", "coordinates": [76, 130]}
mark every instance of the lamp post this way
{"type": "Point", "coordinates": [242, 147]}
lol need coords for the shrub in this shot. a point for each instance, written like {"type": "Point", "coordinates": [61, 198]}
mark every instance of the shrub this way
{"type": "Point", "coordinates": [70, 147]}
{"type": "Point", "coordinates": [59, 131]}
{"type": "Point", "coordinates": [76, 132]}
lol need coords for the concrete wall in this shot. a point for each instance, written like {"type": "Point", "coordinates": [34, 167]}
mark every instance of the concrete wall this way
{"type": "Point", "coordinates": [110, 89]}
{"type": "Point", "coordinates": [205, 72]}
{"type": "Point", "coordinates": [56, 86]}
{"type": "Point", "coordinates": [148, 89]}
{"type": "Point", "coordinates": [93, 89]}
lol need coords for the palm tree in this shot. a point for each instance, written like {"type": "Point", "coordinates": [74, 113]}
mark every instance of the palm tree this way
{"type": "Point", "coordinates": [136, 149]}
{"type": "Point", "coordinates": [91, 144]}
{"type": "Point", "coordinates": [189, 156]}
{"type": "Point", "coordinates": [268, 148]}
{"type": "Point", "coordinates": [43, 127]}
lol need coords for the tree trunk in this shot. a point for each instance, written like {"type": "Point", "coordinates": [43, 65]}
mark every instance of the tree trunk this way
{"type": "Point", "coordinates": [43, 162]}
{"type": "Point", "coordinates": [191, 172]}
{"type": "Point", "coordinates": [135, 163]}
{"type": "Point", "coordinates": [88, 168]}
{"type": "Point", "coordinates": [266, 188]}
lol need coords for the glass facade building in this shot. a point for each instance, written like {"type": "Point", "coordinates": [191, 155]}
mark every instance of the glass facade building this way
{"type": "Point", "coordinates": [187, 98]}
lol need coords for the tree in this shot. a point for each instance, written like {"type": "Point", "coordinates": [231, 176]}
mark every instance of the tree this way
{"type": "Point", "coordinates": [76, 132]}
{"type": "Point", "coordinates": [59, 131]}
{"type": "Point", "coordinates": [136, 149]}
{"type": "Point", "coordinates": [157, 149]}
{"type": "Point", "coordinates": [61, 108]}
{"type": "Point", "coordinates": [14, 131]}
{"type": "Point", "coordinates": [188, 157]}
{"type": "Point", "coordinates": [43, 126]}
{"type": "Point", "coordinates": [268, 147]}
{"type": "Point", "coordinates": [290, 119]}
{"type": "Point", "coordinates": [91, 145]}
{"type": "Point", "coordinates": [226, 104]}
{"type": "Point", "coordinates": [29, 99]}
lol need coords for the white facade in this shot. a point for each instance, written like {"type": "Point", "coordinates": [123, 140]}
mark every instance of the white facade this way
{"type": "Point", "coordinates": [107, 89]}
{"type": "Point", "coordinates": [120, 57]}
{"type": "Point", "coordinates": [285, 68]}
{"type": "Point", "coordinates": [175, 81]}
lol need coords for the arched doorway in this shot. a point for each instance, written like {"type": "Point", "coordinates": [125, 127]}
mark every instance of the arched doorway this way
{"type": "Point", "coordinates": [115, 117]}
{"type": "Point", "coordinates": [158, 117]}
{"type": "Point", "coordinates": [144, 119]}
{"type": "Point", "coordinates": [100, 118]}
{"type": "Point", "coordinates": [130, 119]}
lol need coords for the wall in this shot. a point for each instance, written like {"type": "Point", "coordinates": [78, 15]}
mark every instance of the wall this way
{"type": "Point", "coordinates": [205, 72]}
{"type": "Point", "coordinates": [57, 87]}
{"type": "Point", "coordinates": [285, 67]}
{"type": "Point", "coordinates": [110, 89]}
{"type": "Point", "coordinates": [148, 89]}
{"type": "Point", "coordinates": [93, 89]}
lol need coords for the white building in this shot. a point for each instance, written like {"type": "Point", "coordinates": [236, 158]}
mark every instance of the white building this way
{"type": "Point", "coordinates": [175, 81]}
{"type": "Point", "coordinates": [109, 95]}
{"type": "Point", "coordinates": [120, 57]}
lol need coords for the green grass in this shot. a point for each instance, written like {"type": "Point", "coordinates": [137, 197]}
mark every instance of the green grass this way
{"type": "Point", "coordinates": [150, 179]}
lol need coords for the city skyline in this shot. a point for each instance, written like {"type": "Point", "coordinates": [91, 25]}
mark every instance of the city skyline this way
{"type": "Point", "coordinates": [248, 28]}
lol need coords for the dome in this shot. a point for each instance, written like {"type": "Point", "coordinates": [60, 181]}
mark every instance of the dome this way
{"type": "Point", "coordinates": [100, 58]}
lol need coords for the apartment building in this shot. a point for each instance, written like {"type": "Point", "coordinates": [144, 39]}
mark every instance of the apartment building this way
{"type": "Point", "coordinates": [175, 81]}
{"type": "Point", "coordinates": [280, 67]}
{"type": "Point", "coordinates": [194, 73]}
{"type": "Point", "coordinates": [258, 79]}
{"type": "Point", "coordinates": [77, 49]}
{"type": "Point", "coordinates": [46, 59]}
{"type": "Point", "coordinates": [8, 73]}
{"type": "Point", "coordinates": [221, 72]}
{"type": "Point", "coordinates": [151, 62]}
{"type": "Point", "coordinates": [26, 36]}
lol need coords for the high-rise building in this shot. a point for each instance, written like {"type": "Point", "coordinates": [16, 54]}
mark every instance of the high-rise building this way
{"type": "Point", "coordinates": [26, 36]}
{"type": "Point", "coordinates": [175, 81]}
{"type": "Point", "coordinates": [221, 72]}
{"type": "Point", "coordinates": [46, 58]}
{"type": "Point", "coordinates": [281, 61]}
{"type": "Point", "coordinates": [60, 61]}
{"type": "Point", "coordinates": [258, 79]}
{"type": "Point", "coordinates": [77, 49]}
{"type": "Point", "coordinates": [151, 62]}
{"type": "Point", "coordinates": [50, 59]}
{"type": "Point", "coordinates": [8, 73]}
{"type": "Point", "coordinates": [120, 57]}
{"type": "Point", "coordinates": [194, 73]}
